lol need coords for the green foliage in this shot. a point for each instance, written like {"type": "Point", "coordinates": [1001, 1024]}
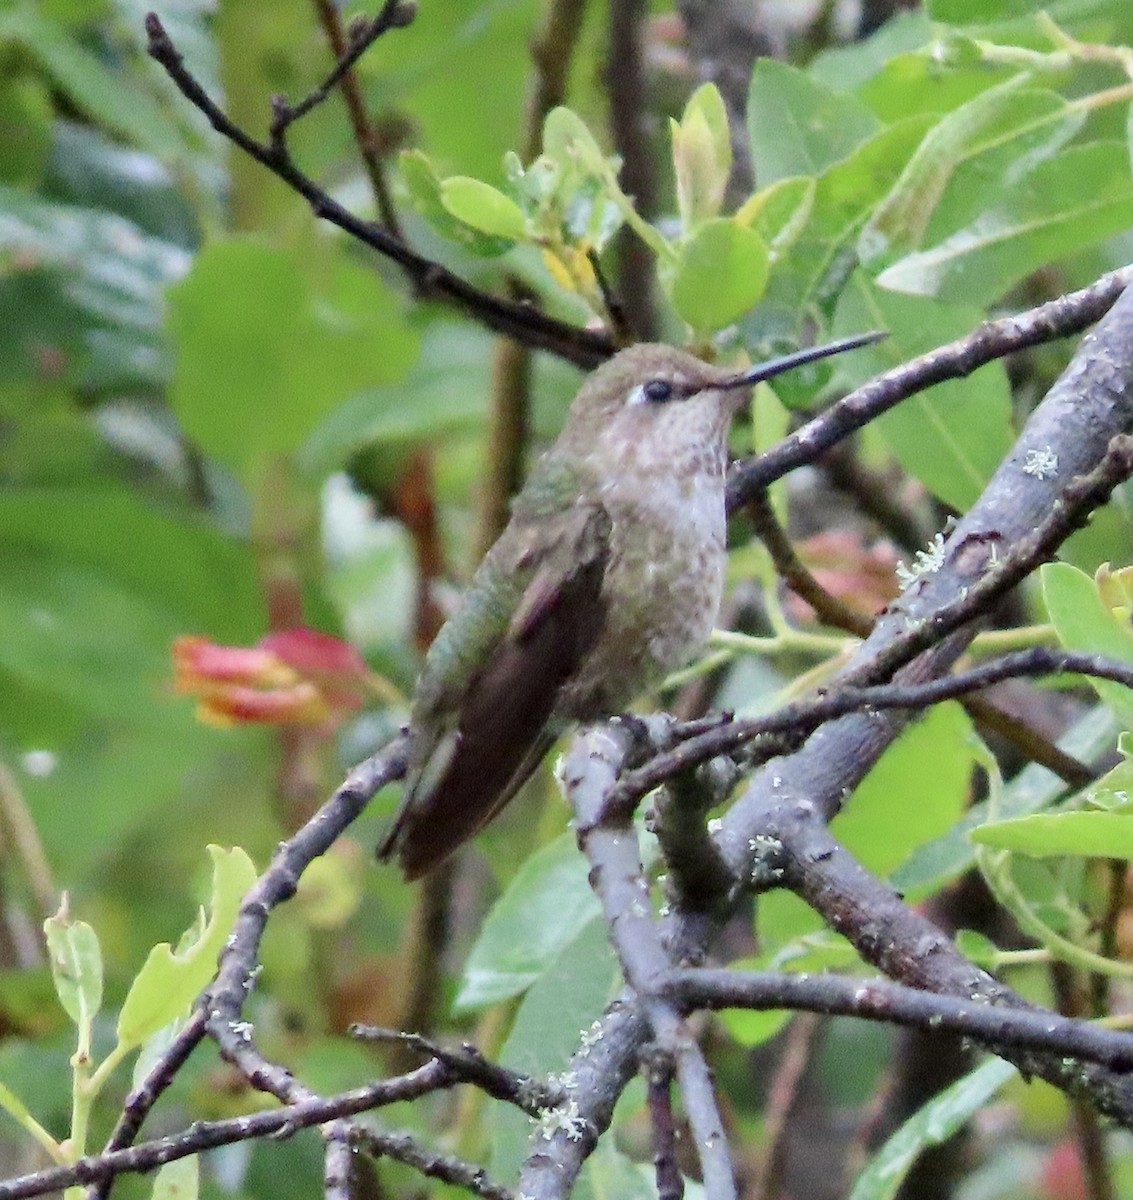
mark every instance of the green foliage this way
{"type": "Point", "coordinates": [218, 417]}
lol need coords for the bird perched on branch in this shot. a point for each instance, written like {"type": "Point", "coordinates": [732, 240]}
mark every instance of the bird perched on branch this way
{"type": "Point", "coordinates": [608, 576]}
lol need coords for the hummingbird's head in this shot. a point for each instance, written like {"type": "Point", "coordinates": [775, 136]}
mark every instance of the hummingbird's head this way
{"type": "Point", "coordinates": [652, 400]}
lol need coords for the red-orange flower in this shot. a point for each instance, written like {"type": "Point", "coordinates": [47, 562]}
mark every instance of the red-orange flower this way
{"type": "Point", "coordinates": [290, 677]}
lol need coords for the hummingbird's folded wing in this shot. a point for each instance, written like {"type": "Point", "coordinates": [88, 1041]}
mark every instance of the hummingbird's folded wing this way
{"type": "Point", "coordinates": [480, 732]}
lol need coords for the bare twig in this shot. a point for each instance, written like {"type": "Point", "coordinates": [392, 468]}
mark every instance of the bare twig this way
{"type": "Point", "coordinates": [354, 43]}
{"type": "Point", "coordinates": [1055, 319]}
{"type": "Point", "coordinates": [625, 80]}
{"type": "Point", "coordinates": [657, 1067]}
{"type": "Point", "coordinates": [470, 1066]}
{"type": "Point", "coordinates": [206, 1135]}
{"type": "Point", "coordinates": [585, 347]}
{"type": "Point", "coordinates": [445, 1167]}
{"type": "Point", "coordinates": [983, 1020]}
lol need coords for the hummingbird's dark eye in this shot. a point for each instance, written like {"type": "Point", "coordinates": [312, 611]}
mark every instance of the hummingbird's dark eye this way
{"type": "Point", "coordinates": [658, 391]}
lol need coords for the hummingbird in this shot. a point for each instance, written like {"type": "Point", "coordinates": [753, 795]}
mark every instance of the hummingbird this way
{"type": "Point", "coordinates": [607, 577]}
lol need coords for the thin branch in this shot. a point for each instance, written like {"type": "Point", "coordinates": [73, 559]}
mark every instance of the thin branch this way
{"type": "Point", "coordinates": [607, 837]}
{"type": "Point", "coordinates": [796, 721]}
{"type": "Point", "coordinates": [344, 44]}
{"type": "Point", "coordinates": [207, 1135]}
{"type": "Point", "coordinates": [625, 82]}
{"type": "Point", "coordinates": [989, 1024]}
{"type": "Point", "coordinates": [832, 611]}
{"type": "Point", "coordinates": [1055, 319]}
{"type": "Point", "coordinates": [145, 1095]}
{"type": "Point", "coordinates": [470, 1066]}
{"type": "Point", "coordinates": [585, 347]}
{"type": "Point", "coordinates": [446, 1167]}
{"type": "Point", "coordinates": [657, 1068]}
{"type": "Point", "coordinates": [236, 972]}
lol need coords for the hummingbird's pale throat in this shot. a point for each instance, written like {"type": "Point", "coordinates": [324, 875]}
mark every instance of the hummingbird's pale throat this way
{"type": "Point", "coordinates": [608, 576]}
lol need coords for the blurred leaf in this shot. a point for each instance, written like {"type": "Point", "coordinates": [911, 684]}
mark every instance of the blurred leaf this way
{"type": "Point", "coordinates": [88, 640]}
{"type": "Point", "coordinates": [483, 207]}
{"type": "Point", "coordinates": [852, 66]}
{"type": "Point", "coordinates": [935, 863]}
{"type": "Point", "coordinates": [25, 129]}
{"type": "Point", "coordinates": [1066, 203]}
{"type": "Point", "coordinates": [932, 761]}
{"type": "Point", "coordinates": [1084, 623]}
{"type": "Point", "coordinates": [720, 273]}
{"type": "Point", "coordinates": [177, 1180]}
{"type": "Point", "coordinates": [543, 910]}
{"type": "Point", "coordinates": [1092, 834]}
{"type": "Point", "coordinates": [88, 168]}
{"type": "Point", "coordinates": [105, 276]}
{"type": "Point", "coordinates": [178, 562]}
{"type": "Point", "coordinates": [1000, 135]}
{"type": "Point", "coordinates": [261, 357]}
{"type": "Point", "coordinates": [615, 1176]}
{"type": "Point", "coordinates": [110, 97]}
{"type": "Point", "coordinates": [170, 980]}
{"type": "Point", "coordinates": [445, 390]}
{"type": "Point", "coordinates": [76, 967]}
{"type": "Point", "coordinates": [931, 1125]}
{"type": "Point", "coordinates": [798, 126]}
{"type": "Point", "coordinates": [953, 436]}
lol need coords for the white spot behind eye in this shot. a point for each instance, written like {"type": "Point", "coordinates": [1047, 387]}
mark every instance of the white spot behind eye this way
{"type": "Point", "coordinates": [636, 395]}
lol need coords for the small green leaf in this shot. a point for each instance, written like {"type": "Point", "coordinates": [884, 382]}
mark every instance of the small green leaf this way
{"type": "Point", "coordinates": [721, 272]}
{"type": "Point", "coordinates": [799, 127]}
{"type": "Point", "coordinates": [702, 157]}
{"type": "Point", "coordinates": [1043, 835]}
{"type": "Point", "coordinates": [543, 910]}
{"type": "Point", "coordinates": [424, 187]}
{"type": "Point", "coordinates": [178, 1180]}
{"type": "Point", "coordinates": [978, 948]}
{"type": "Point", "coordinates": [170, 980]}
{"type": "Point", "coordinates": [1084, 623]}
{"type": "Point", "coordinates": [76, 968]}
{"type": "Point", "coordinates": [930, 1125]}
{"type": "Point", "coordinates": [483, 207]}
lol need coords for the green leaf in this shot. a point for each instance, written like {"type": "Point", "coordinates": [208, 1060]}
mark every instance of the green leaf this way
{"type": "Point", "coordinates": [552, 1019]}
{"type": "Point", "coordinates": [779, 213]}
{"type": "Point", "coordinates": [702, 156]}
{"type": "Point", "coordinates": [483, 207]}
{"type": "Point", "coordinates": [721, 272]}
{"type": "Point", "coordinates": [999, 135]}
{"type": "Point", "coordinates": [177, 1180]}
{"type": "Point", "coordinates": [931, 760]}
{"type": "Point", "coordinates": [1065, 204]}
{"type": "Point", "coordinates": [424, 187]}
{"type": "Point", "coordinates": [1083, 622]}
{"type": "Point", "coordinates": [445, 392]}
{"type": "Point", "coordinates": [543, 910]}
{"type": "Point", "coordinates": [171, 979]}
{"type": "Point", "coordinates": [110, 97]}
{"type": "Point", "coordinates": [953, 436]}
{"type": "Point", "coordinates": [799, 127]}
{"type": "Point", "coordinates": [935, 863]}
{"type": "Point", "coordinates": [932, 1124]}
{"type": "Point", "coordinates": [1043, 835]}
{"type": "Point", "coordinates": [76, 968]}
{"type": "Point", "coordinates": [261, 357]}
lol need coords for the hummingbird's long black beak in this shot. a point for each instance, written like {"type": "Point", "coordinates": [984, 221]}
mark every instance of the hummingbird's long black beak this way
{"type": "Point", "coordinates": [777, 366]}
